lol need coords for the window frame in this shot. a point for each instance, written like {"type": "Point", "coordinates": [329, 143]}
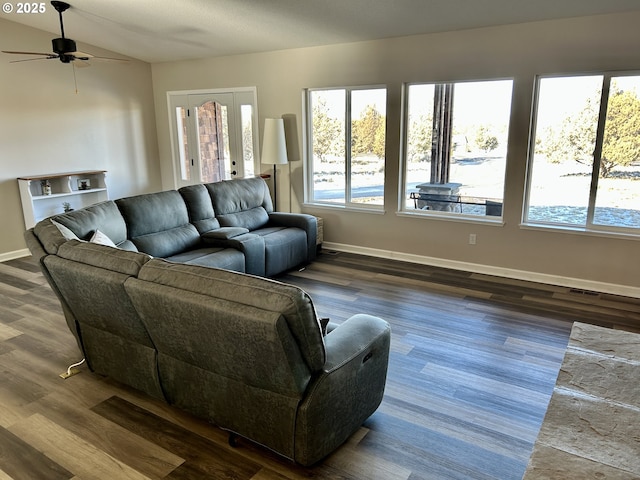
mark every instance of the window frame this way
{"type": "Point", "coordinates": [589, 226]}
{"type": "Point", "coordinates": [309, 190]}
{"type": "Point", "coordinates": [403, 210]}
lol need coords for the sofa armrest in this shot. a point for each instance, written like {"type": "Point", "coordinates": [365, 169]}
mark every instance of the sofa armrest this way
{"type": "Point", "coordinates": [250, 244]}
{"type": "Point", "coordinates": [306, 222]}
{"type": "Point", "coordinates": [347, 391]}
{"type": "Point", "coordinates": [357, 337]}
{"type": "Point", "coordinates": [224, 233]}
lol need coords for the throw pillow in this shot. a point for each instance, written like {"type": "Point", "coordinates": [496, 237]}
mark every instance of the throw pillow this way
{"type": "Point", "coordinates": [65, 231]}
{"type": "Point", "coordinates": [102, 239]}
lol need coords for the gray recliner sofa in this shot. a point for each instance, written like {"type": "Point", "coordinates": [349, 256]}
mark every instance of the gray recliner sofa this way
{"type": "Point", "coordinates": [240, 215]}
{"type": "Point", "coordinates": [246, 353]}
{"type": "Point", "coordinates": [229, 224]}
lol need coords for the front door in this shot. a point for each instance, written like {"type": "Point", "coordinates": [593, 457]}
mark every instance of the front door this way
{"type": "Point", "coordinates": [214, 137]}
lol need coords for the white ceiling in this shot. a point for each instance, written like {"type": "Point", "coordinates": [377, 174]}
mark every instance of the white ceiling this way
{"type": "Point", "coordinates": [168, 30]}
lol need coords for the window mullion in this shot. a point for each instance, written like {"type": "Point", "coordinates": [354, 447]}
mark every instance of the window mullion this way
{"type": "Point", "coordinates": [597, 151]}
{"type": "Point", "coordinates": [347, 149]}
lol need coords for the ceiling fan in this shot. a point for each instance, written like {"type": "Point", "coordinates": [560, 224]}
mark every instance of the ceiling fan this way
{"type": "Point", "coordinates": [63, 48]}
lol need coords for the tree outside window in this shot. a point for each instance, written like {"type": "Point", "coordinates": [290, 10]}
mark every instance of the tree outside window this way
{"type": "Point", "coordinates": [585, 164]}
{"type": "Point", "coordinates": [455, 147]}
{"type": "Point", "coordinates": [347, 146]}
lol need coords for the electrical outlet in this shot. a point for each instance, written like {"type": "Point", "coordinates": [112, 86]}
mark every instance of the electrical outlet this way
{"type": "Point", "coordinates": [472, 239]}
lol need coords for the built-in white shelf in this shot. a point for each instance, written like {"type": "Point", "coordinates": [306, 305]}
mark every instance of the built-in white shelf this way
{"type": "Point", "coordinates": [79, 189]}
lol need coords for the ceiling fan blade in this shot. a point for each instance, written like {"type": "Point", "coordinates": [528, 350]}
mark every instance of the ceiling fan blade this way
{"type": "Point", "coordinates": [29, 53]}
{"type": "Point", "coordinates": [49, 57]}
{"type": "Point", "coordinates": [81, 55]}
{"type": "Point", "coordinates": [110, 59]}
{"type": "Point", "coordinates": [81, 63]}
{"type": "Point", "coordinates": [88, 56]}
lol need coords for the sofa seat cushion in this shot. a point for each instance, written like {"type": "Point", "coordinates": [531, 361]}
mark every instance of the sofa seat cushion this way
{"type": "Point", "coordinates": [226, 258]}
{"type": "Point", "coordinates": [168, 242]}
{"type": "Point", "coordinates": [284, 248]}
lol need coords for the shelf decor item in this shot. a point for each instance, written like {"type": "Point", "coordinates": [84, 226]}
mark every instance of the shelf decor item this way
{"type": "Point", "coordinates": [46, 187]}
{"type": "Point", "coordinates": [84, 184]}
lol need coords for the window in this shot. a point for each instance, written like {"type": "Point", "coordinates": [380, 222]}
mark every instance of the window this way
{"type": "Point", "coordinates": [346, 146]}
{"type": "Point", "coordinates": [584, 165]}
{"type": "Point", "coordinates": [213, 135]}
{"type": "Point", "coordinates": [455, 147]}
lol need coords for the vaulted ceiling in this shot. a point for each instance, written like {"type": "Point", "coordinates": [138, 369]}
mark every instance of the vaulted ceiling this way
{"type": "Point", "coordinates": [168, 30]}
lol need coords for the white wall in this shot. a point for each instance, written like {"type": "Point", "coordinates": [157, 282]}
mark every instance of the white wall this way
{"type": "Point", "coordinates": [45, 127]}
{"type": "Point", "coordinates": [518, 51]}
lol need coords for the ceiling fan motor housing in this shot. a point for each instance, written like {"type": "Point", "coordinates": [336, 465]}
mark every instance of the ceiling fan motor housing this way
{"type": "Point", "coordinates": [63, 45]}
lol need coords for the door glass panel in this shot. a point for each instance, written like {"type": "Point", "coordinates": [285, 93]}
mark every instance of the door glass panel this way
{"type": "Point", "coordinates": [213, 142]}
{"type": "Point", "coordinates": [226, 144]}
{"type": "Point", "coordinates": [183, 144]}
{"type": "Point", "coordinates": [246, 118]}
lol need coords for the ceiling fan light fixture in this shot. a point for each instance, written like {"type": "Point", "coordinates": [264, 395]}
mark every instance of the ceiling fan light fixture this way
{"type": "Point", "coordinates": [63, 45]}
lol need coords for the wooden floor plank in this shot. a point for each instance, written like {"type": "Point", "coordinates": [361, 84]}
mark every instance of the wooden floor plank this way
{"type": "Point", "coordinates": [118, 442]}
{"type": "Point", "coordinates": [70, 451]}
{"type": "Point", "coordinates": [21, 460]}
{"type": "Point", "coordinates": [211, 459]}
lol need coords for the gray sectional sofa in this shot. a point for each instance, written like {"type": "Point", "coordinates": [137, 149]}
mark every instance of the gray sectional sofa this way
{"type": "Point", "coordinates": [245, 352]}
{"type": "Point", "coordinates": [229, 224]}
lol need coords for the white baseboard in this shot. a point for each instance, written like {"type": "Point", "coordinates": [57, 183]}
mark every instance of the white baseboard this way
{"type": "Point", "coordinates": [13, 255]}
{"type": "Point", "coordinates": [570, 282]}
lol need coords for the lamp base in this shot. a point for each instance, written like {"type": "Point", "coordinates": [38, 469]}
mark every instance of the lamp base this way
{"type": "Point", "coordinates": [275, 190]}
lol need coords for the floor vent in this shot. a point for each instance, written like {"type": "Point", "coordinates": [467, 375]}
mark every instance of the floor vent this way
{"type": "Point", "coordinates": [579, 291]}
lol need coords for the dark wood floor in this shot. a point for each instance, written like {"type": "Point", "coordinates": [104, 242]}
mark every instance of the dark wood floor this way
{"type": "Point", "coordinates": [473, 364]}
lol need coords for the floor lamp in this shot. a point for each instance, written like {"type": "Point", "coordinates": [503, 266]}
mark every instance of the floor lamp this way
{"type": "Point", "coordinates": [274, 150]}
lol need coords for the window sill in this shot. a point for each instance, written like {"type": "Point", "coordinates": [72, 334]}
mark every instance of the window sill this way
{"type": "Point", "coordinates": [458, 217]}
{"type": "Point", "coordinates": [575, 230]}
{"type": "Point", "coordinates": [345, 208]}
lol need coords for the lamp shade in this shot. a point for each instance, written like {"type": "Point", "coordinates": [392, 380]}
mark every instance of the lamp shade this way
{"type": "Point", "coordinates": [274, 143]}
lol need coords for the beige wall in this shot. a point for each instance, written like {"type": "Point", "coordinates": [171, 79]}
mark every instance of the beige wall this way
{"type": "Point", "coordinates": [519, 51]}
{"type": "Point", "coordinates": [45, 127]}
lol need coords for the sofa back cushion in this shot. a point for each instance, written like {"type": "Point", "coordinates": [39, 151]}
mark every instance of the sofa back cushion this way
{"type": "Point", "coordinates": [240, 291]}
{"type": "Point", "coordinates": [200, 208]}
{"type": "Point", "coordinates": [91, 278]}
{"type": "Point", "coordinates": [103, 216]}
{"type": "Point", "coordinates": [158, 223]}
{"type": "Point", "coordinates": [84, 222]}
{"type": "Point", "coordinates": [243, 202]}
